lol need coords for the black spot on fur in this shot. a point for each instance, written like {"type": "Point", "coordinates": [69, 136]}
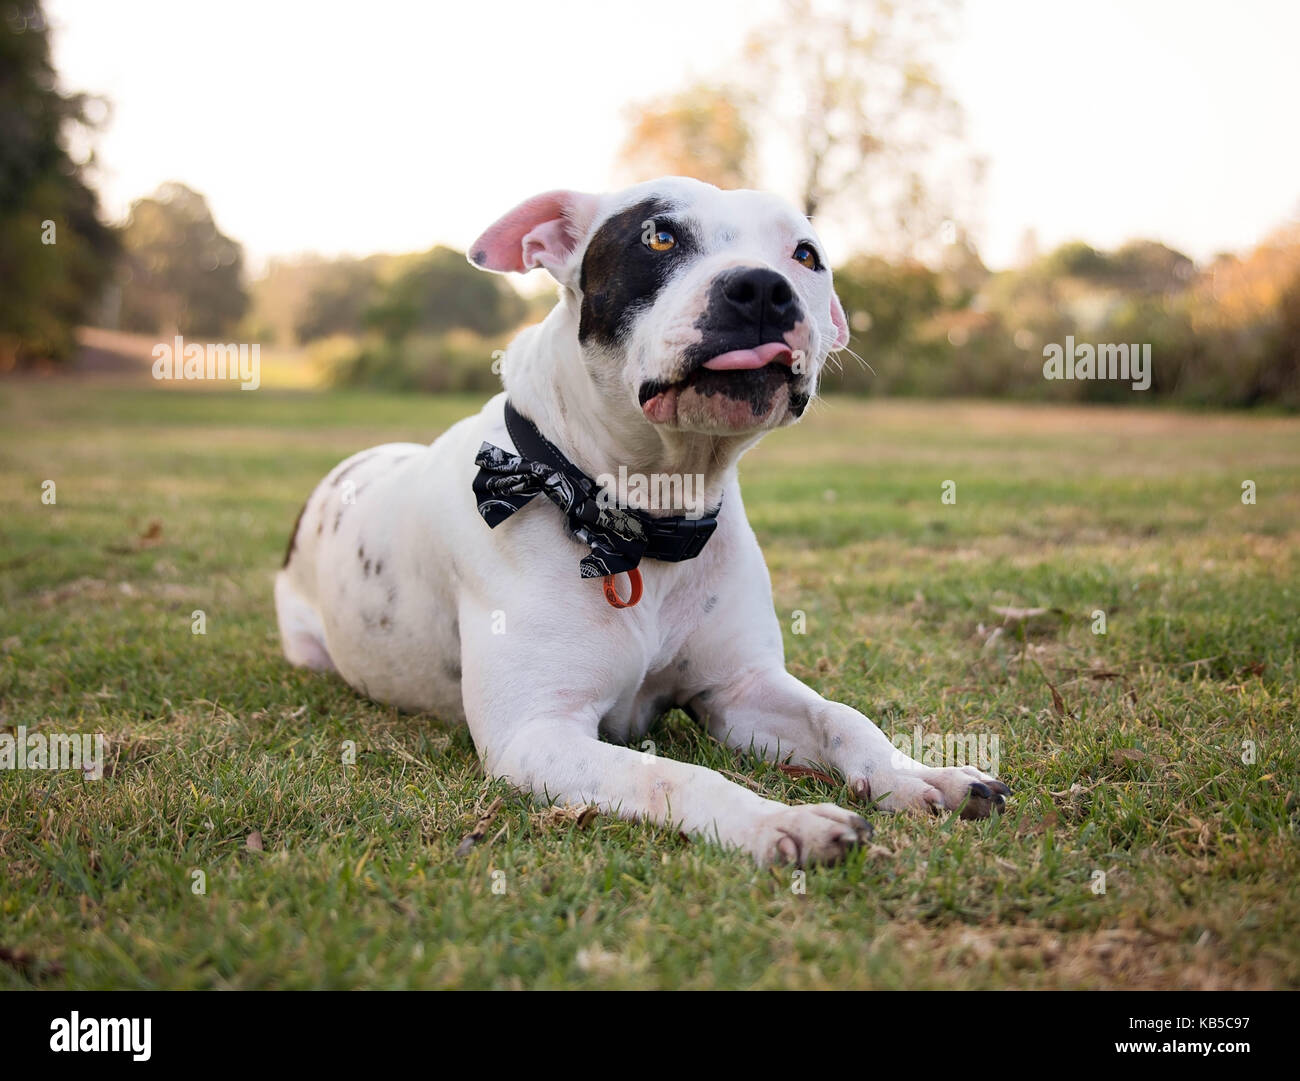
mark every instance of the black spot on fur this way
{"type": "Point", "coordinates": [293, 537]}
{"type": "Point", "coordinates": [683, 664]}
{"type": "Point", "coordinates": [621, 276]}
{"type": "Point", "coordinates": [338, 517]}
{"type": "Point", "coordinates": [361, 553]}
{"type": "Point", "coordinates": [379, 565]}
{"type": "Point", "coordinates": [367, 568]}
{"type": "Point", "coordinates": [710, 603]}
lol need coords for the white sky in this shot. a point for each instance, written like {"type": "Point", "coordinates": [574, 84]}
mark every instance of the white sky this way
{"type": "Point", "coordinates": [392, 126]}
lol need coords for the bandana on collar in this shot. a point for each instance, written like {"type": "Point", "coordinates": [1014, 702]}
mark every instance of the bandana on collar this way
{"type": "Point", "coordinates": [619, 539]}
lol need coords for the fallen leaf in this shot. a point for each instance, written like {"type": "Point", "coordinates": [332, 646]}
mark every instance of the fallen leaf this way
{"type": "Point", "coordinates": [253, 842]}
{"type": "Point", "coordinates": [29, 965]}
{"type": "Point", "coordinates": [806, 771]}
{"type": "Point", "coordinates": [152, 536]}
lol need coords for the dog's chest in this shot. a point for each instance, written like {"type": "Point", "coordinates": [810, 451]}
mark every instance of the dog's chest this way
{"type": "Point", "coordinates": [660, 668]}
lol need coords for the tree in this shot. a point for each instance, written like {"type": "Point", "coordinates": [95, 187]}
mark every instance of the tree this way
{"type": "Point", "coordinates": [338, 299]}
{"type": "Point", "coordinates": [55, 252]}
{"type": "Point", "coordinates": [701, 132]}
{"type": "Point", "coordinates": [865, 112]}
{"type": "Point", "coordinates": [439, 290]}
{"type": "Point", "coordinates": [182, 273]}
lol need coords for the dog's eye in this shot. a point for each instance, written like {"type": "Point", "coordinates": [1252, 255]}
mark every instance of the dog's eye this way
{"type": "Point", "coordinates": [807, 255]}
{"type": "Point", "coordinates": [661, 240]}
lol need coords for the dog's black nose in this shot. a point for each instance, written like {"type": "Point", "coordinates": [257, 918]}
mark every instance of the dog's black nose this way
{"type": "Point", "coordinates": [759, 296]}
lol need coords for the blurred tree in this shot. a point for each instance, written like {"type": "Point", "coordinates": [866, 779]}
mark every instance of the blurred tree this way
{"type": "Point", "coordinates": [182, 273]}
{"type": "Point", "coordinates": [962, 271]}
{"type": "Point", "coordinates": [1147, 266]}
{"type": "Point", "coordinates": [55, 253]}
{"type": "Point", "coordinates": [438, 290]}
{"type": "Point", "coordinates": [700, 132]}
{"type": "Point", "coordinates": [338, 298]}
{"type": "Point", "coordinates": [865, 110]}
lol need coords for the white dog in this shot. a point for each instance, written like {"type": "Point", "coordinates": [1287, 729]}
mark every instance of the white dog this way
{"type": "Point", "coordinates": [457, 577]}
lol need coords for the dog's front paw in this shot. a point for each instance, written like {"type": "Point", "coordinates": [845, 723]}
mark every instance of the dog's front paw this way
{"type": "Point", "coordinates": [934, 788]}
{"type": "Point", "coordinates": [806, 834]}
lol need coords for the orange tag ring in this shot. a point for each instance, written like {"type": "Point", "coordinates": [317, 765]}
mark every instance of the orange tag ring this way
{"type": "Point", "coordinates": [611, 594]}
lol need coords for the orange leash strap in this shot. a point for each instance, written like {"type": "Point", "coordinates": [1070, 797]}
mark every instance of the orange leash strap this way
{"type": "Point", "coordinates": [611, 594]}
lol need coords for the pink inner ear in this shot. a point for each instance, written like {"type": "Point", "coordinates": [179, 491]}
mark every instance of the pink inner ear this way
{"type": "Point", "coordinates": [541, 232]}
{"type": "Point", "coordinates": [841, 324]}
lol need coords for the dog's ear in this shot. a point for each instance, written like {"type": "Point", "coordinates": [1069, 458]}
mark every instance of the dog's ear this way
{"type": "Point", "coordinates": [841, 323]}
{"type": "Point", "coordinates": [542, 232]}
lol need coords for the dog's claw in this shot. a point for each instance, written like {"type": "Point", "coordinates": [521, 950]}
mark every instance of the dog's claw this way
{"type": "Point", "coordinates": [984, 799]}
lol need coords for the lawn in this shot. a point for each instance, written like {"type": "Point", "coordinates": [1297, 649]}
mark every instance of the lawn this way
{"type": "Point", "coordinates": [230, 845]}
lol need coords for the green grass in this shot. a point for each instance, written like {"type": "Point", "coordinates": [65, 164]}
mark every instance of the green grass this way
{"type": "Point", "coordinates": [358, 884]}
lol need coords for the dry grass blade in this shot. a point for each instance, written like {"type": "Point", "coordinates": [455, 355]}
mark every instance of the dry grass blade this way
{"type": "Point", "coordinates": [480, 828]}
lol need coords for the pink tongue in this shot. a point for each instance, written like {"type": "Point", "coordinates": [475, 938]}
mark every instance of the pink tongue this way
{"type": "Point", "coordinates": [741, 359]}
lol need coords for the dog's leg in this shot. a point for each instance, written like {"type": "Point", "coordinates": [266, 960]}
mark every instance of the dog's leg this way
{"type": "Point", "coordinates": [534, 714]}
{"type": "Point", "coordinates": [302, 635]}
{"type": "Point", "coordinates": [561, 760]}
{"type": "Point", "coordinates": [772, 713]}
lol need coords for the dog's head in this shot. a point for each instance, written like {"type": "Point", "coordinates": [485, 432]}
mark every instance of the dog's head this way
{"type": "Point", "coordinates": [713, 311]}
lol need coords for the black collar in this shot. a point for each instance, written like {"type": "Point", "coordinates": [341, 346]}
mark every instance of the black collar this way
{"type": "Point", "coordinates": [619, 538]}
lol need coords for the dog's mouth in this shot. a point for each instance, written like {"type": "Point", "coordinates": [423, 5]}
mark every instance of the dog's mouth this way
{"type": "Point", "coordinates": [747, 378]}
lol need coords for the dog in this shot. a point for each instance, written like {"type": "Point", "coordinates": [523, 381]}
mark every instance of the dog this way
{"type": "Point", "coordinates": [483, 578]}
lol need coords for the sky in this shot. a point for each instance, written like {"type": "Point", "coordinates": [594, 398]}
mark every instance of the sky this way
{"type": "Point", "coordinates": [345, 128]}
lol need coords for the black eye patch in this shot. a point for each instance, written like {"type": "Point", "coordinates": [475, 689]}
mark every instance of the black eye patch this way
{"type": "Point", "coordinates": [621, 275]}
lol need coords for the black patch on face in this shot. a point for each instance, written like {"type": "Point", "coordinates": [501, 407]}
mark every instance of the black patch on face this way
{"type": "Point", "coordinates": [621, 275]}
{"type": "Point", "coordinates": [747, 307]}
{"type": "Point", "coordinates": [757, 388]}
{"type": "Point", "coordinates": [293, 537]}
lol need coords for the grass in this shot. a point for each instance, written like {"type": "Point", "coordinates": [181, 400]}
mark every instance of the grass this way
{"type": "Point", "coordinates": [1137, 773]}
